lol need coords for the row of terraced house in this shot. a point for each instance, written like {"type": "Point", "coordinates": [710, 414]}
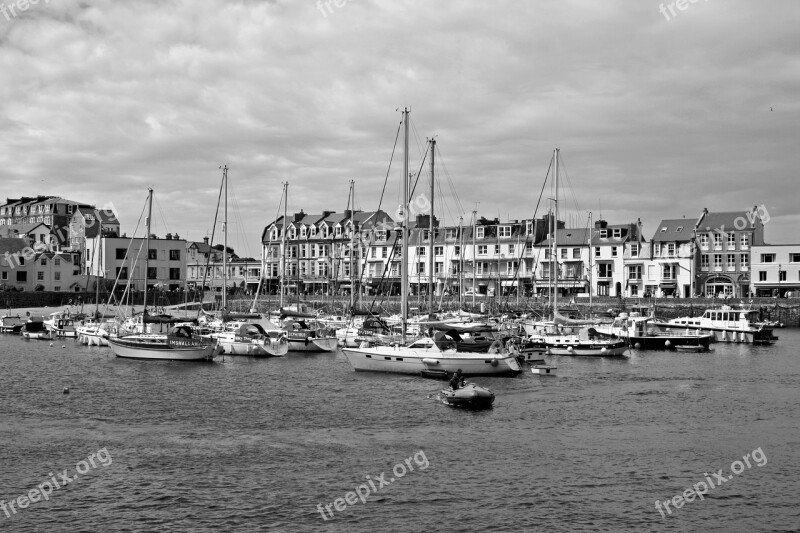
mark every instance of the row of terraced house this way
{"type": "Point", "coordinates": [715, 254]}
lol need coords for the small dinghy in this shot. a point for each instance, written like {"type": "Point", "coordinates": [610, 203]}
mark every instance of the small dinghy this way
{"type": "Point", "coordinates": [469, 396]}
{"type": "Point", "coordinates": [692, 348]}
{"type": "Point", "coordinates": [435, 374]}
{"type": "Point", "coordinates": [543, 370]}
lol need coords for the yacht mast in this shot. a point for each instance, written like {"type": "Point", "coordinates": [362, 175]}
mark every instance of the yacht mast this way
{"type": "Point", "coordinates": [431, 283]}
{"type": "Point", "coordinates": [283, 244]}
{"type": "Point", "coordinates": [404, 229]}
{"type": "Point", "coordinates": [555, 232]}
{"type": "Point", "coordinates": [460, 263]}
{"type": "Point", "coordinates": [352, 246]}
{"type": "Point", "coordinates": [147, 248]}
{"type": "Point", "coordinates": [225, 245]}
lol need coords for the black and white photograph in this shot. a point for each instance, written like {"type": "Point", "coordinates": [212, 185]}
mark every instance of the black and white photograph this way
{"type": "Point", "coordinates": [359, 265]}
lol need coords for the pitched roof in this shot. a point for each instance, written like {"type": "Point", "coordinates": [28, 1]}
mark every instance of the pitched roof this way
{"type": "Point", "coordinates": [570, 237]}
{"type": "Point", "coordinates": [674, 230]}
{"type": "Point", "coordinates": [12, 245]}
{"type": "Point", "coordinates": [727, 221]}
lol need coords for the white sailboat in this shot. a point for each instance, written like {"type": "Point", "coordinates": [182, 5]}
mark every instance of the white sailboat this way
{"type": "Point", "coordinates": [588, 341]}
{"type": "Point", "coordinates": [180, 344]}
{"type": "Point", "coordinates": [423, 354]}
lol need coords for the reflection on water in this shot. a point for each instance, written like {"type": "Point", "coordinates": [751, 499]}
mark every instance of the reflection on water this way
{"type": "Point", "coordinates": [245, 444]}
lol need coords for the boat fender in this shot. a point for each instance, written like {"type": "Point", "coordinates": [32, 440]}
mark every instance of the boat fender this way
{"type": "Point", "coordinates": [494, 362]}
{"type": "Point", "coordinates": [306, 341]}
{"type": "Point", "coordinates": [429, 361]}
{"type": "Point", "coordinates": [638, 346]}
{"type": "Point", "coordinates": [667, 343]}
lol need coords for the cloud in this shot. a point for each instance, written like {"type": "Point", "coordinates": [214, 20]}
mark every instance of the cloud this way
{"type": "Point", "coordinates": [655, 118]}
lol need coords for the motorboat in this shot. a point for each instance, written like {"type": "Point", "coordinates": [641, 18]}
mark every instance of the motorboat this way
{"type": "Point", "coordinates": [64, 327]}
{"type": "Point", "coordinates": [35, 329]}
{"type": "Point", "coordinates": [468, 396]}
{"type": "Point", "coordinates": [642, 334]}
{"type": "Point", "coordinates": [727, 325]}
{"type": "Point", "coordinates": [11, 324]}
{"type": "Point", "coordinates": [543, 370]}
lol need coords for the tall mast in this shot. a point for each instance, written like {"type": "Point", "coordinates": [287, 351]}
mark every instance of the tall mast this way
{"type": "Point", "coordinates": [431, 284]}
{"type": "Point", "coordinates": [460, 263]}
{"type": "Point", "coordinates": [404, 229]}
{"type": "Point", "coordinates": [225, 243]}
{"type": "Point", "coordinates": [147, 247]}
{"type": "Point", "coordinates": [352, 247]}
{"type": "Point", "coordinates": [283, 243]}
{"type": "Point", "coordinates": [591, 255]}
{"type": "Point", "coordinates": [474, 256]}
{"type": "Point", "coordinates": [98, 261]}
{"type": "Point", "coordinates": [555, 244]}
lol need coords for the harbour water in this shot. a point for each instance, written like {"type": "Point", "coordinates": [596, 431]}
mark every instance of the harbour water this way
{"type": "Point", "coordinates": [258, 444]}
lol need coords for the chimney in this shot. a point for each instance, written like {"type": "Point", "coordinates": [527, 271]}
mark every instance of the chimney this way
{"type": "Point", "coordinates": [348, 213]}
{"type": "Point", "coordinates": [298, 216]}
{"type": "Point", "coordinates": [205, 240]}
{"type": "Point", "coordinates": [326, 214]}
{"type": "Point", "coordinates": [169, 236]}
{"type": "Point", "coordinates": [600, 224]}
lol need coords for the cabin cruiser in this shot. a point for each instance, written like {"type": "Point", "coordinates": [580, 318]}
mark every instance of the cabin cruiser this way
{"type": "Point", "coordinates": [642, 334]}
{"type": "Point", "coordinates": [727, 325]}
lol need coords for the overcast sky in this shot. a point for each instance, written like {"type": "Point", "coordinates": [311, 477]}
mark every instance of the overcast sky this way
{"type": "Point", "coordinates": [657, 115]}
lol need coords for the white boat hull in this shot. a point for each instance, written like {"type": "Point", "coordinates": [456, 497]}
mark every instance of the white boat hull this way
{"type": "Point", "coordinates": [149, 347]}
{"type": "Point", "coordinates": [255, 348]}
{"type": "Point", "coordinates": [401, 360]}
{"type": "Point", "coordinates": [313, 344]}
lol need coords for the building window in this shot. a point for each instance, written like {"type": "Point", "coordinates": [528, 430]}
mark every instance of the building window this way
{"type": "Point", "coordinates": [420, 251]}
{"type": "Point", "coordinates": [635, 250]}
{"type": "Point", "coordinates": [605, 270]}
{"type": "Point", "coordinates": [794, 258]}
{"type": "Point", "coordinates": [152, 273]}
{"type": "Point", "coordinates": [603, 233]}
{"type": "Point", "coordinates": [439, 267]}
{"type": "Point", "coordinates": [302, 232]}
{"type": "Point", "coordinates": [374, 253]}
{"type": "Point", "coordinates": [613, 251]}
{"type": "Point", "coordinates": [597, 251]}
{"type": "Point", "coordinates": [22, 277]}
{"type": "Point", "coordinates": [668, 272]}
{"type": "Point", "coordinates": [781, 275]}
{"type": "Point", "coordinates": [174, 255]}
{"type": "Point", "coordinates": [174, 273]}
{"type": "Point", "coordinates": [717, 261]}
{"type": "Point", "coordinates": [512, 250]}
{"type": "Point", "coordinates": [457, 251]}
{"type": "Point", "coordinates": [438, 250]}
{"type": "Point", "coordinates": [617, 233]}
{"type": "Point", "coordinates": [122, 272]}
{"type": "Point", "coordinates": [731, 241]}
{"type": "Point", "coordinates": [704, 241]}
{"type": "Point", "coordinates": [44, 261]}
{"type": "Point", "coordinates": [40, 276]}
{"type": "Point", "coordinates": [744, 261]}
{"type": "Point", "coordinates": [767, 258]}
{"type": "Point", "coordinates": [384, 252]}
{"type": "Point", "coordinates": [704, 261]}
{"type": "Point", "coordinates": [21, 261]}
{"type": "Point", "coordinates": [563, 252]}
{"type": "Point", "coordinates": [744, 241]}
{"type": "Point", "coordinates": [152, 253]}
{"type": "Point", "coordinates": [635, 272]}
{"type": "Point", "coordinates": [762, 275]}
{"type": "Point", "coordinates": [4, 276]}
{"type": "Point", "coordinates": [483, 249]}
{"type": "Point", "coordinates": [420, 267]}
{"type": "Point", "coordinates": [731, 262]}
{"type": "Point", "coordinates": [576, 253]}
{"type": "Point", "coordinates": [479, 232]}
{"type": "Point", "coordinates": [451, 233]}
{"type": "Point", "coordinates": [671, 249]}
{"type": "Point", "coordinates": [505, 231]}
{"type": "Point", "coordinates": [57, 276]}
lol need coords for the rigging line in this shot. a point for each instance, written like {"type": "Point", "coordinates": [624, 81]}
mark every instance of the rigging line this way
{"type": "Point", "coordinates": [525, 244]}
{"type": "Point", "coordinates": [391, 158]}
{"type": "Point", "coordinates": [130, 243]}
{"type": "Point", "coordinates": [453, 190]}
{"type": "Point", "coordinates": [419, 173]}
{"type": "Point", "coordinates": [210, 253]}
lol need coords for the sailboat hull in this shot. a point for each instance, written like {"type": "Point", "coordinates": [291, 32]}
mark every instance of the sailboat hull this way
{"type": "Point", "coordinates": [162, 347]}
{"type": "Point", "coordinates": [399, 360]}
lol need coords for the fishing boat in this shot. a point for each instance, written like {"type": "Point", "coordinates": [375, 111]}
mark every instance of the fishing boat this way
{"type": "Point", "coordinates": [468, 396]}
{"type": "Point", "coordinates": [64, 327]}
{"type": "Point", "coordinates": [306, 335]}
{"type": "Point", "coordinates": [726, 325]}
{"type": "Point", "coordinates": [179, 344]}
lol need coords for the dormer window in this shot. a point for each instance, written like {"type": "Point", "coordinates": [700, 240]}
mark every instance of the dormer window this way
{"type": "Point", "coordinates": [679, 229]}
{"type": "Point", "coordinates": [505, 231]}
{"type": "Point", "coordinates": [479, 232]}
{"type": "Point", "coordinates": [338, 231]}
{"type": "Point", "coordinates": [617, 233]}
{"type": "Point", "coordinates": [302, 232]}
{"type": "Point", "coordinates": [313, 231]}
{"type": "Point", "coordinates": [664, 229]}
{"type": "Point", "coordinates": [603, 233]}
